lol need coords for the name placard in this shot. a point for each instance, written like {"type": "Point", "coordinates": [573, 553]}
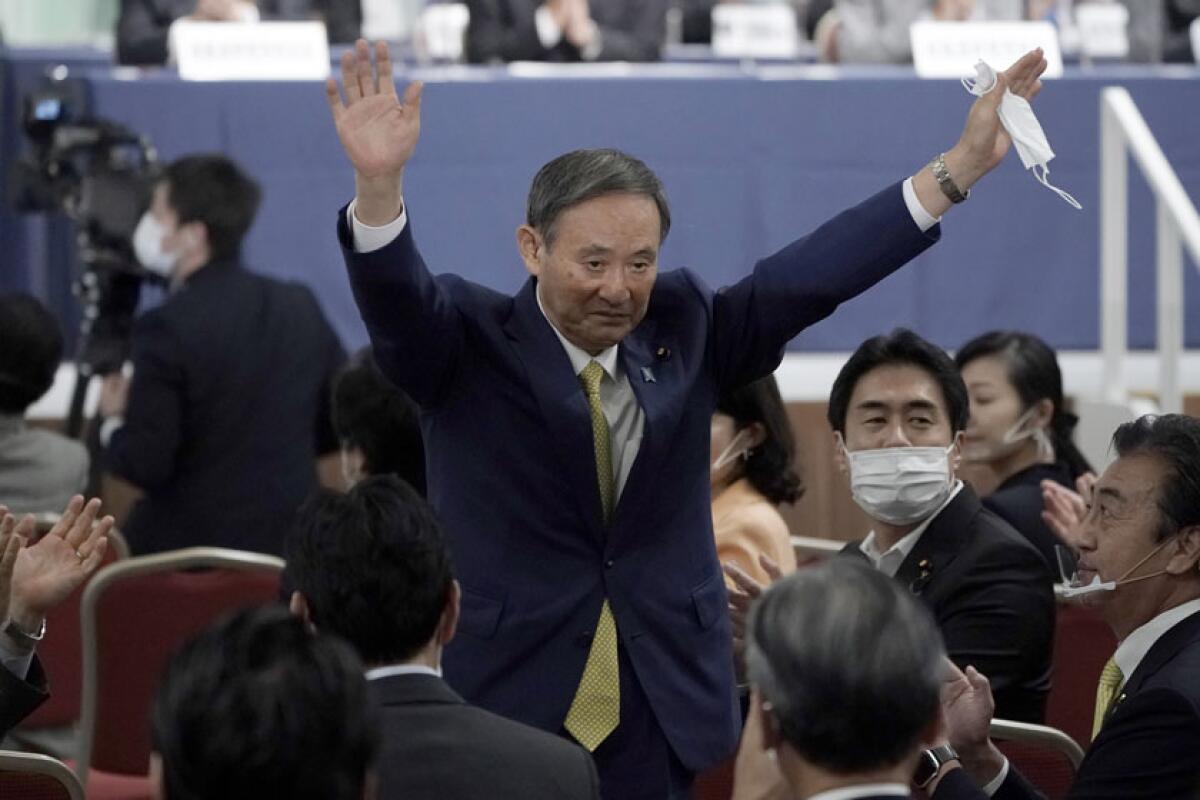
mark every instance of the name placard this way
{"type": "Point", "coordinates": [755, 31]}
{"type": "Point", "coordinates": [950, 49]}
{"type": "Point", "coordinates": [253, 51]}
{"type": "Point", "coordinates": [1103, 29]}
{"type": "Point", "coordinates": [443, 27]}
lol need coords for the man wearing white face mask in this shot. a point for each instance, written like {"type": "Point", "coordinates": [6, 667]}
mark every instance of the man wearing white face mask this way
{"type": "Point", "coordinates": [228, 407]}
{"type": "Point", "coordinates": [1140, 543]}
{"type": "Point", "coordinates": [898, 408]}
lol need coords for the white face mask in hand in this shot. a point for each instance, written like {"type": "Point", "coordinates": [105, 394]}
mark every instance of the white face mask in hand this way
{"type": "Point", "coordinates": [900, 485]}
{"type": "Point", "coordinates": [1017, 117]}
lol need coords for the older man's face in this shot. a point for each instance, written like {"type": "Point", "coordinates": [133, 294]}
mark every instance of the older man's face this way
{"type": "Point", "coordinates": [1121, 529]}
{"type": "Point", "coordinates": [596, 277]}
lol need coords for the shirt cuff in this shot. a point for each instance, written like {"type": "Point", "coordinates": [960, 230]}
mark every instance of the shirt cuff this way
{"type": "Point", "coordinates": [15, 659]}
{"type": "Point", "coordinates": [923, 218]}
{"type": "Point", "coordinates": [367, 239]}
{"type": "Point", "coordinates": [549, 32]}
{"type": "Point", "coordinates": [108, 427]}
{"type": "Point", "coordinates": [991, 786]}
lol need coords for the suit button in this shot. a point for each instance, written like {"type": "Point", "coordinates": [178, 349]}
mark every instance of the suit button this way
{"type": "Point", "coordinates": [609, 564]}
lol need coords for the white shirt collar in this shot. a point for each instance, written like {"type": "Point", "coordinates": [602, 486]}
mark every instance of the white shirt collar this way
{"type": "Point", "coordinates": [864, 790]}
{"type": "Point", "coordinates": [580, 358]}
{"type": "Point", "coordinates": [402, 669]}
{"type": "Point", "coordinates": [909, 540]}
{"type": "Point", "coordinates": [1133, 649]}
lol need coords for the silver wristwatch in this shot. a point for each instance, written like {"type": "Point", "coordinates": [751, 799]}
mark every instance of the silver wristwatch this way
{"type": "Point", "coordinates": [947, 184]}
{"type": "Point", "coordinates": [932, 761]}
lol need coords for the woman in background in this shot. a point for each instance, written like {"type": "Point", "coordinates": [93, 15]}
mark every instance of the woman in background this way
{"type": "Point", "coordinates": [751, 456]}
{"type": "Point", "coordinates": [1019, 431]}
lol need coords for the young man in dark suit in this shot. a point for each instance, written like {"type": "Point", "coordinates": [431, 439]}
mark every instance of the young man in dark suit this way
{"type": "Point", "coordinates": [1140, 544]}
{"type": "Point", "coordinates": [371, 567]}
{"type": "Point", "coordinates": [898, 409]}
{"type": "Point", "coordinates": [567, 425]}
{"type": "Point", "coordinates": [228, 408]}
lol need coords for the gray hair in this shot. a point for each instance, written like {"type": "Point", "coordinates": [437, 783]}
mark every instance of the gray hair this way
{"type": "Point", "coordinates": [851, 664]}
{"type": "Point", "coordinates": [582, 175]}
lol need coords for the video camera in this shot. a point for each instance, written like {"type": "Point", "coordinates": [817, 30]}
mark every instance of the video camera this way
{"type": "Point", "coordinates": [100, 175]}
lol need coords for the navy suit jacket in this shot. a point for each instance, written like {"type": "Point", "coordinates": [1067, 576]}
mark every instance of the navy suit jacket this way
{"type": "Point", "coordinates": [511, 471]}
{"type": "Point", "coordinates": [19, 698]}
{"type": "Point", "coordinates": [1150, 743]}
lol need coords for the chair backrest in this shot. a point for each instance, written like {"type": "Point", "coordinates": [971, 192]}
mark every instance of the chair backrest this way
{"type": "Point", "coordinates": [61, 652]}
{"type": "Point", "coordinates": [135, 614]}
{"type": "Point", "coordinates": [811, 550]}
{"type": "Point", "coordinates": [1082, 644]}
{"type": "Point", "coordinates": [1046, 756]}
{"type": "Point", "coordinates": [27, 776]}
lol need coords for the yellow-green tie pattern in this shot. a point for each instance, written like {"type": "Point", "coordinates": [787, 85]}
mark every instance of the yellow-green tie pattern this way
{"type": "Point", "coordinates": [596, 709]}
{"type": "Point", "coordinates": [1110, 681]}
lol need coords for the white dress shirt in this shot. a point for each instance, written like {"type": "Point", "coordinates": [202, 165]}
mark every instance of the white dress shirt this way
{"type": "Point", "coordinates": [402, 669]}
{"type": "Point", "coordinates": [889, 562]}
{"type": "Point", "coordinates": [864, 790]}
{"type": "Point", "coordinates": [16, 659]}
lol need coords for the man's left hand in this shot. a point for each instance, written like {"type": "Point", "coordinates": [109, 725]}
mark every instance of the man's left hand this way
{"type": "Point", "coordinates": [57, 564]}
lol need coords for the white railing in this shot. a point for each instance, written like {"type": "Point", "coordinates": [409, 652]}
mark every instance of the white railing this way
{"type": "Point", "coordinates": [1123, 129]}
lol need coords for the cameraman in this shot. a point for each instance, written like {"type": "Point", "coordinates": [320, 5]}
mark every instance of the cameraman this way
{"type": "Point", "coordinates": [228, 407]}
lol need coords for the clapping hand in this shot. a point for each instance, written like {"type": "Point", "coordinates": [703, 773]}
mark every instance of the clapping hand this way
{"type": "Point", "coordinates": [967, 709]}
{"type": "Point", "coordinates": [1063, 510]}
{"type": "Point", "coordinates": [746, 590]}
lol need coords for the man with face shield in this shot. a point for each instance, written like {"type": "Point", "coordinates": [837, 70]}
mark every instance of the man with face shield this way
{"type": "Point", "coordinates": [228, 406]}
{"type": "Point", "coordinates": [898, 409]}
{"type": "Point", "coordinates": [1139, 567]}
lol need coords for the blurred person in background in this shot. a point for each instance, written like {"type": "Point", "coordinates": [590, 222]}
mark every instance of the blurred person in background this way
{"type": "Point", "coordinates": [1019, 433]}
{"type": "Point", "coordinates": [876, 31]}
{"type": "Point", "coordinates": [144, 26]}
{"type": "Point", "coordinates": [378, 425]}
{"type": "Point", "coordinates": [566, 30]}
{"type": "Point", "coordinates": [39, 470]}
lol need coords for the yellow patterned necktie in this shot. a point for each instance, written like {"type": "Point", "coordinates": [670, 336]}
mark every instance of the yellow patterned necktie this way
{"type": "Point", "coordinates": [1110, 681]}
{"type": "Point", "coordinates": [596, 709]}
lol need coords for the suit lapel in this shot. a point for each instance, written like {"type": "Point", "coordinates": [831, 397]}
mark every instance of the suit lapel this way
{"type": "Point", "coordinates": [561, 399]}
{"type": "Point", "coordinates": [1168, 645]}
{"type": "Point", "coordinates": [941, 542]}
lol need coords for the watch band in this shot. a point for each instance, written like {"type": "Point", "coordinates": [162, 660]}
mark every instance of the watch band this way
{"type": "Point", "coordinates": [23, 637]}
{"type": "Point", "coordinates": [932, 761]}
{"type": "Point", "coordinates": [947, 184]}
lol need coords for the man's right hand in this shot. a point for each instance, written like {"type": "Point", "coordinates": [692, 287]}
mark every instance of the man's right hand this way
{"type": "Point", "coordinates": [377, 131]}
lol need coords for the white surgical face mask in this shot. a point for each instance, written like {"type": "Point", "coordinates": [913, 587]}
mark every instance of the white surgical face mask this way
{"type": "Point", "coordinates": [1017, 117]}
{"type": "Point", "coordinates": [737, 448]}
{"type": "Point", "coordinates": [1010, 442]}
{"type": "Point", "coordinates": [1074, 590]}
{"type": "Point", "coordinates": [900, 485]}
{"type": "Point", "coordinates": [147, 246]}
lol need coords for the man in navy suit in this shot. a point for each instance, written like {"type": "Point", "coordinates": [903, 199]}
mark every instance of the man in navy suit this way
{"type": "Point", "coordinates": [1140, 541]}
{"type": "Point", "coordinates": [567, 426]}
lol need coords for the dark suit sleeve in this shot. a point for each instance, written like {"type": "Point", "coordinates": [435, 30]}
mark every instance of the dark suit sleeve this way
{"type": "Point", "coordinates": [492, 35]}
{"type": "Point", "coordinates": [957, 785]}
{"type": "Point", "coordinates": [19, 698]}
{"type": "Point", "coordinates": [415, 328]}
{"type": "Point", "coordinates": [142, 29]}
{"type": "Point", "coordinates": [335, 356]}
{"type": "Point", "coordinates": [640, 36]}
{"type": "Point", "coordinates": [804, 282]}
{"type": "Point", "coordinates": [143, 450]}
{"type": "Point", "coordinates": [1001, 619]}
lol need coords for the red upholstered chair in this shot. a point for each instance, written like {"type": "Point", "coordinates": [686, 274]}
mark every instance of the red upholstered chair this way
{"type": "Point", "coordinates": [61, 652]}
{"type": "Point", "coordinates": [135, 614]}
{"type": "Point", "coordinates": [1082, 644]}
{"type": "Point", "coordinates": [26, 776]}
{"type": "Point", "coordinates": [1047, 757]}
{"type": "Point", "coordinates": [715, 783]}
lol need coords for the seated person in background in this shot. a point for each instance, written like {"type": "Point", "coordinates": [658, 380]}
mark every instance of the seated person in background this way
{"type": "Point", "coordinates": [1019, 434]}
{"type": "Point", "coordinates": [39, 470]}
{"type": "Point", "coordinates": [877, 31]}
{"type": "Point", "coordinates": [898, 409]}
{"type": "Point", "coordinates": [143, 26]}
{"type": "Point", "coordinates": [371, 566]}
{"type": "Point", "coordinates": [846, 669]}
{"type": "Point", "coordinates": [257, 707]}
{"type": "Point", "coordinates": [228, 408]}
{"type": "Point", "coordinates": [752, 473]}
{"type": "Point", "coordinates": [1141, 535]}
{"type": "Point", "coordinates": [378, 425]}
{"type": "Point", "coordinates": [566, 30]}
{"type": "Point", "coordinates": [33, 580]}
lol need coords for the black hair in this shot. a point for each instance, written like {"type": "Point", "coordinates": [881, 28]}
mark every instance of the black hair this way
{"type": "Point", "coordinates": [31, 347]}
{"type": "Point", "coordinates": [1032, 369]}
{"type": "Point", "coordinates": [373, 567]}
{"type": "Point", "coordinates": [374, 415]}
{"type": "Point", "coordinates": [582, 175]}
{"type": "Point", "coordinates": [256, 706]}
{"type": "Point", "coordinates": [1174, 439]}
{"type": "Point", "coordinates": [901, 346]}
{"type": "Point", "coordinates": [212, 189]}
{"type": "Point", "coordinates": [768, 466]}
